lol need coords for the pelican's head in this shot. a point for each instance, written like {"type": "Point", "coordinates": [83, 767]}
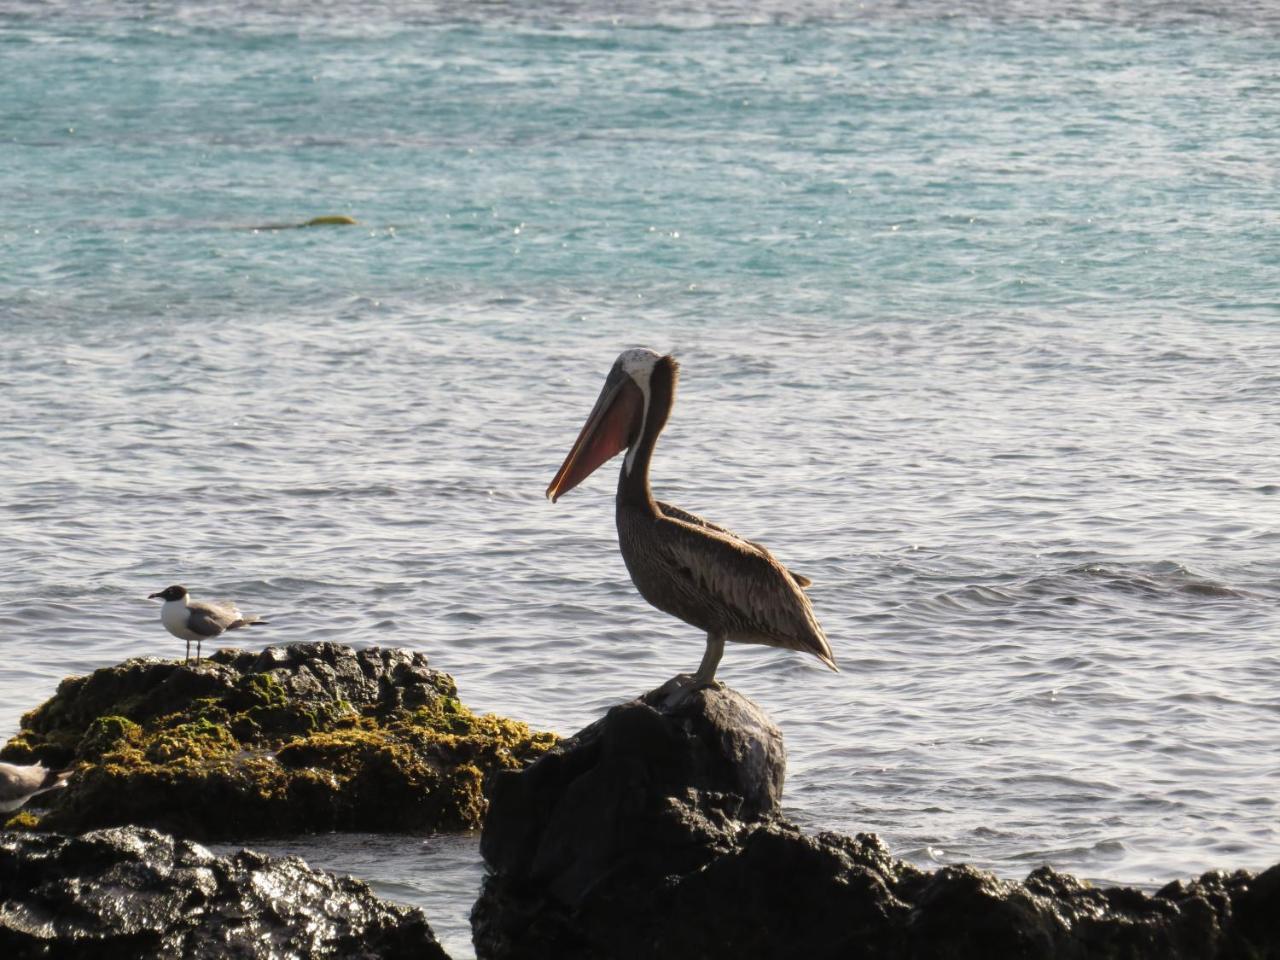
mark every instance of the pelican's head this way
{"type": "Point", "coordinates": [617, 420]}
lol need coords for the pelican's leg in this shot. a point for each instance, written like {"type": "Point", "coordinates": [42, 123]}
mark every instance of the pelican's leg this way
{"type": "Point", "coordinates": [706, 675]}
{"type": "Point", "coordinates": [679, 687]}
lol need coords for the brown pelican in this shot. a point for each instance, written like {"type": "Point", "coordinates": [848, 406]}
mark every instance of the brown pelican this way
{"type": "Point", "coordinates": [708, 576]}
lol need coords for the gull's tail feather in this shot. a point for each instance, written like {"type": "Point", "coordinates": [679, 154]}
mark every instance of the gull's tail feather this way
{"type": "Point", "coordinates": [54, 779]}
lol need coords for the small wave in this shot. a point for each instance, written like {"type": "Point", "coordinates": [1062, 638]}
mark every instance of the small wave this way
{"type": "Point", "coordinates": [342, 491]}
{"type": "Point", "coordinates": [1160, 579]}
{"type": "Point", "coordinates": [1102, 850]}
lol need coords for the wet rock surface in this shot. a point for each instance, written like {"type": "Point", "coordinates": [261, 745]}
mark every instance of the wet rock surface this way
{"type": "Point", "coordinates": [585, 837]}
{"type": "Point", "coordinates": [658, 834]}
{"type": "Point", "coordinates": [300, 738]}
{"type": "Point", "coordinates": [132, 892]}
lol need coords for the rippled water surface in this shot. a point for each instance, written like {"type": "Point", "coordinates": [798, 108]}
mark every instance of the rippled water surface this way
{"type": "Point", "coordinates": [978, 315]}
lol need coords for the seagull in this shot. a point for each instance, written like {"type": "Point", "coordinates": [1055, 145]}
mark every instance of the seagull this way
{"type": "Point", "coordinates": [19, 784]}
{"type": "Point", "coordinates": [197, 620]}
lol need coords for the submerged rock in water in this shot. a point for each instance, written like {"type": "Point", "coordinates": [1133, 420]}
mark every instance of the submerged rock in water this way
{"type": "Point", "coordinates": [305, 737]}
{"type": "Point", "coordinates": [331, 220]}
{"type": "Point", "coordinates": [653, 834]}
{"type": "Point", "coordinates": [132, 892]}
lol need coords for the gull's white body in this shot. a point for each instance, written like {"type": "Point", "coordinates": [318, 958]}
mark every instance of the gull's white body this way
{"type": "Point", "coordinates": [175, 615]}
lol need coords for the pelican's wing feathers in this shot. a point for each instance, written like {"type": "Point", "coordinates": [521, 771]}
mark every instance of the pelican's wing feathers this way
{"type": "Point", "coordinates": [670, 510]}
{"type": "Point", "coordinates": [755, 592]}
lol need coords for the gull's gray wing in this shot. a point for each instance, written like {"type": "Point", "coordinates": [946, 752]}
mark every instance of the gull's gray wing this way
{"type": "Point", "coordinates": [210, 619]}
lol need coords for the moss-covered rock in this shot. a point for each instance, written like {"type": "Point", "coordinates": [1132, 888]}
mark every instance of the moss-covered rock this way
{"type": "Point", "coordinates": [306, 737]}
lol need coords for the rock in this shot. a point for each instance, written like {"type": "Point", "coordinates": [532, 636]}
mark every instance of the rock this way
{"type": "Point", "coordinates": [598, 822]}
{"type": "Point", "coordinates": [133, 892]}
{"type": "Point", "coordinates": [305, 737]}
{"type": "Point", "coordinates": [652, 834]}
{"type": "Point", "coordinates": [332, 220]}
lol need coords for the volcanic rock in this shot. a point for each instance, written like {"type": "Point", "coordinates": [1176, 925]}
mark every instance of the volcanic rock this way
{"type": "Point", "coordinates": [586, 835]}
{"type": "Point", "coordinates": [133, 892]}
{"type": "Point", "coordinates": [657, 834]}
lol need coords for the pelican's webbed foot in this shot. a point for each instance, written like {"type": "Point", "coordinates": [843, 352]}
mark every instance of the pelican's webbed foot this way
{"type": "Point", "coordinates": [676, 690]}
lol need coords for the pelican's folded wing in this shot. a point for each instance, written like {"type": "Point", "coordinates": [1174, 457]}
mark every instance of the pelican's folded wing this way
{"type": "Point", "coordinates": [670, 510]}
{"type": "Point", "coordinates": [743, 580]}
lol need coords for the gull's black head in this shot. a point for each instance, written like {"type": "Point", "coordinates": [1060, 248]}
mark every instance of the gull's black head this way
{"type": "Point", "coordinates": [176, 592]}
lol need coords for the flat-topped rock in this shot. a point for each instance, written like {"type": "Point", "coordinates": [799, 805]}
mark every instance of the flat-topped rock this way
{"type": "Point", "coordinates": [297, 738]}
{"type": "Point", "coordinates": [132, 892]}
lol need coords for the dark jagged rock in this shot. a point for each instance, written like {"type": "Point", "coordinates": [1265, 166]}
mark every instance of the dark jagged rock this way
{"type": "Point", "coordinates": [652, 834]}
{"type": "Point", "coordinates": [305, 737]}
{"type": "Point", "coordinates": [132, 892]}
{"type": "Point", "coordinates": [637, 782]}
{"type": "Point", "coordinates": [600, 821]}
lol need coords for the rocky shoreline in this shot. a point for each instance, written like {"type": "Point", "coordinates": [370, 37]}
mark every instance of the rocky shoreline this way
{"type": "Point", "coordinates": [656, 831]}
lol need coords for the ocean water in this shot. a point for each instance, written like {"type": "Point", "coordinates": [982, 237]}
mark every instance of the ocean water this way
{"type": "Point", "coordinates": [978, 306]}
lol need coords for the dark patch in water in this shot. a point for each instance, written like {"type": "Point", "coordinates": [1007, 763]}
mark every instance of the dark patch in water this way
{"type": "Point", "coordinates": [1165, 579]}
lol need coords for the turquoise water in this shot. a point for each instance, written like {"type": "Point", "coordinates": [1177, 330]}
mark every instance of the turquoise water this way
{"type": "Point", "coordinates": [978, 311]}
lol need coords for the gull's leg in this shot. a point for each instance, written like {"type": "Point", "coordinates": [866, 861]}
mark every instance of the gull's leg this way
{"type": "Point", "coordinates": [188, 659]}
{"type": "Point", "coordinates": [198, 642]}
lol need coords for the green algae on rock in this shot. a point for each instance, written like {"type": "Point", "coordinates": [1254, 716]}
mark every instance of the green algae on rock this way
{"type": "Point", "coordinates": [22, 820]}
{"type": "Point", "coordinates": [300, 738]}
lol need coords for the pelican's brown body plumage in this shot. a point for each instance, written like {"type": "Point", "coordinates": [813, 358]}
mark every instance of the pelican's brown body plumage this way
{"type": "Point", "coordinates": [686, 566]}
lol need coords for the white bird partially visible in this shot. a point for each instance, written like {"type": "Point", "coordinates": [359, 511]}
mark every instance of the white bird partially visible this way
{"type": "Point", "coordinates": [18, 784]}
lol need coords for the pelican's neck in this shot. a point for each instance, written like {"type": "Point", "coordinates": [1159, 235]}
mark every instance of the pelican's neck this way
{"type": "Point", "coordinates": [633, 481]}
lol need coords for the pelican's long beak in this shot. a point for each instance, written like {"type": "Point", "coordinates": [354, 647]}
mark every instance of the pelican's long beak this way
{"type": "Point", "coordinates": [610, 429]}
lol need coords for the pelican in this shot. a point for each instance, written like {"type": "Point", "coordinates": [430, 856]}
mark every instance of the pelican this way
{"type": "Point", "coordinates": [686, 566]}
